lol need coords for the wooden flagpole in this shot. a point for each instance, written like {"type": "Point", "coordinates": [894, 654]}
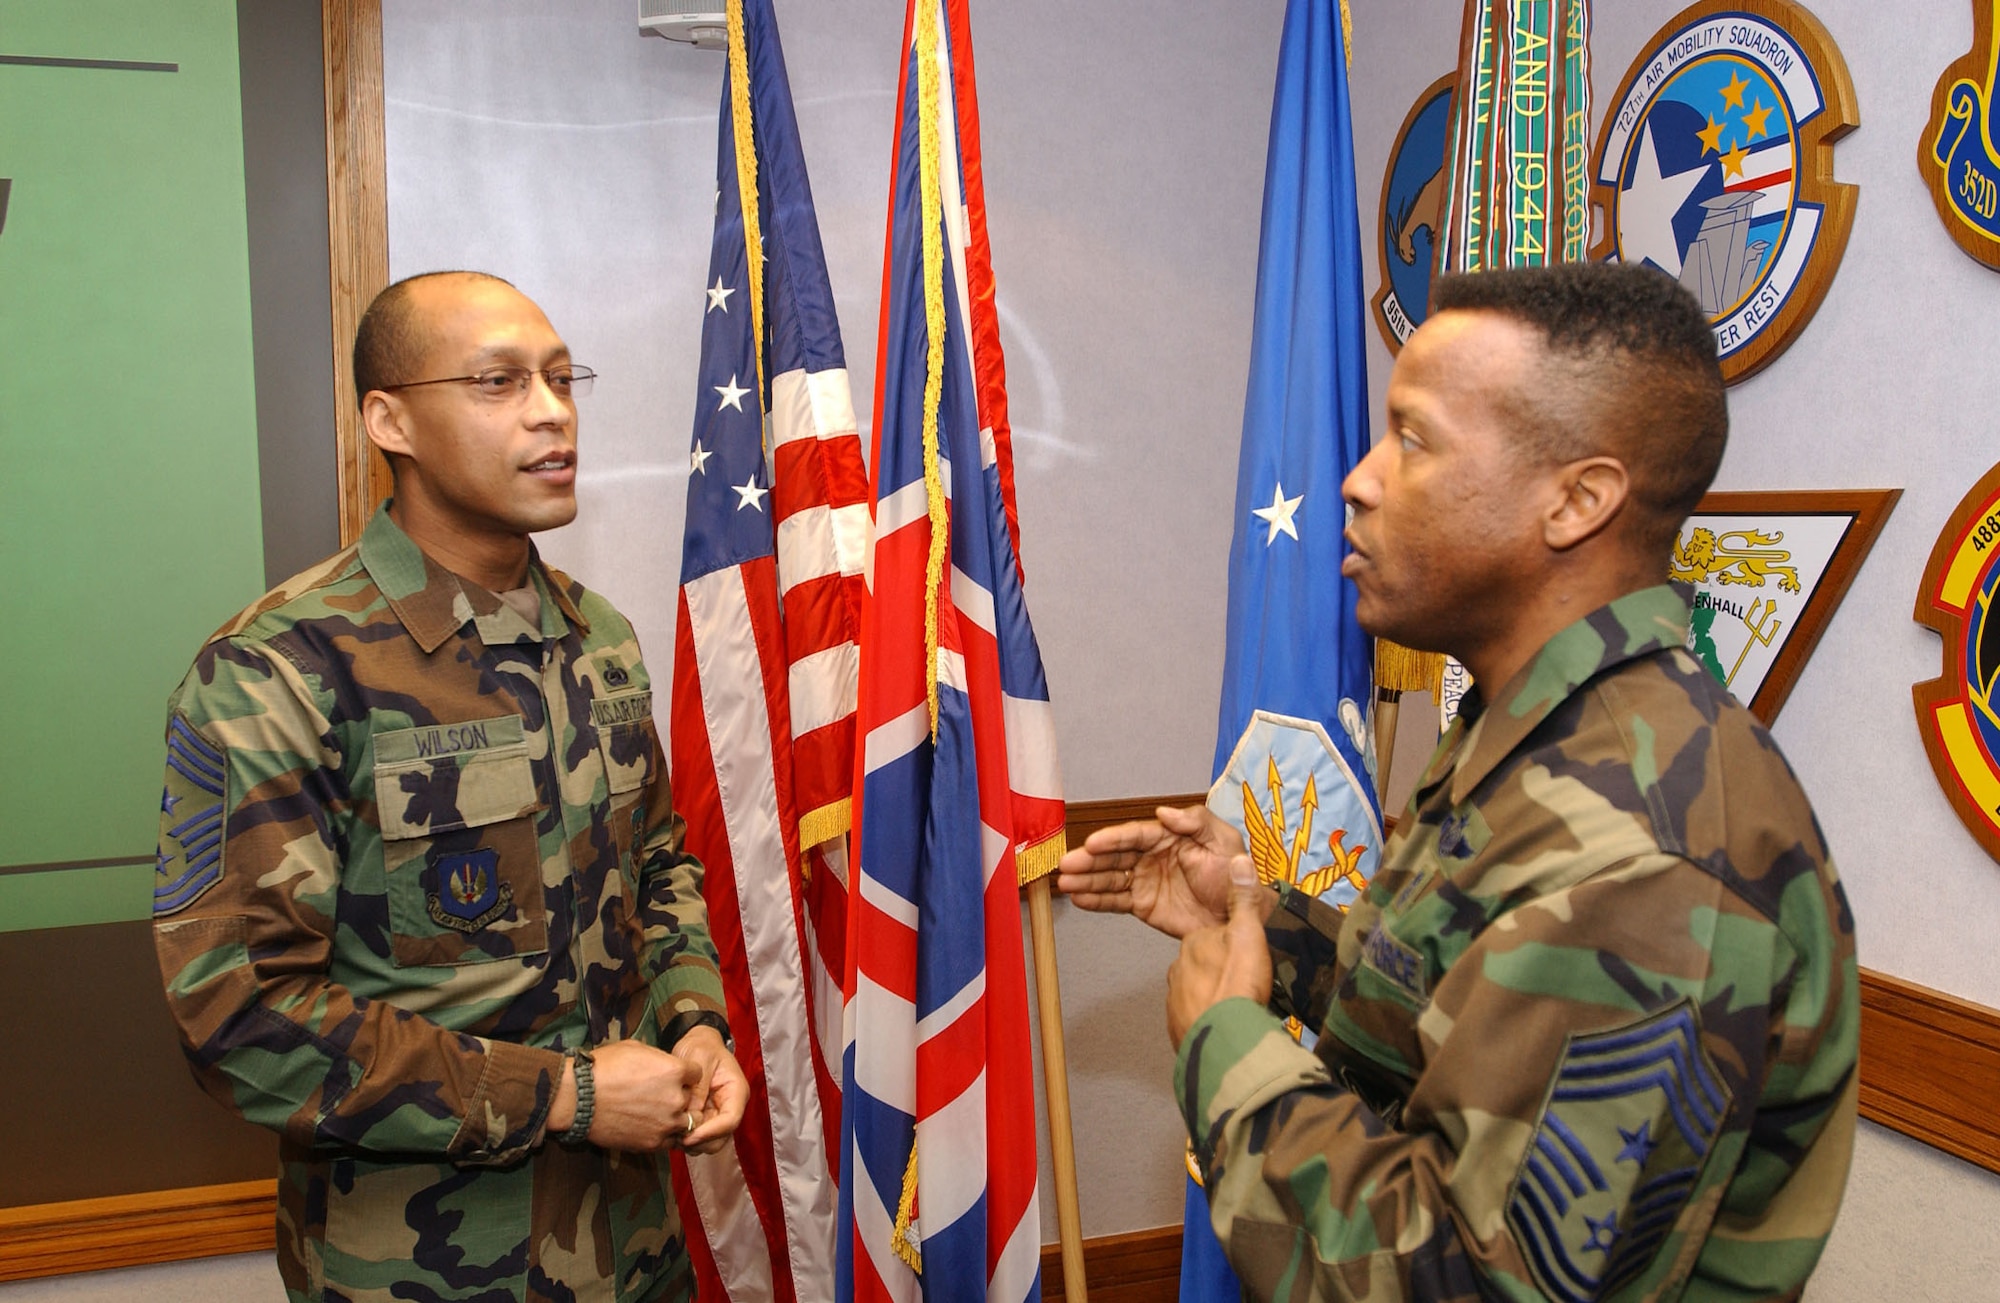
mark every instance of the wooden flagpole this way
{"type": "Point", "coordinates": [1055, 1087]}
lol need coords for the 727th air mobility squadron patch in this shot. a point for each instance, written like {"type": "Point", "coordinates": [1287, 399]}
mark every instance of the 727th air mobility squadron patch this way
{"type": "Point", "coordinates": [1715, 166]}
{"type": "Point", "coordinates": [1958, 712]}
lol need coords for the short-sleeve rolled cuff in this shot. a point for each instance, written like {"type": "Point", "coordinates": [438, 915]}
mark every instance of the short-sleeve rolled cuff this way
{"type": "Point", "coordinates": [1236, 1058]}
{"type": "Point", "coordinates": [509, 1107]}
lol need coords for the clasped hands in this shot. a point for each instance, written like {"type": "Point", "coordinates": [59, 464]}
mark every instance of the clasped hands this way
{"type": "Point", "coordinates": [647, 1098]}
{"type": "Point", "coordinates": [1184, 873]}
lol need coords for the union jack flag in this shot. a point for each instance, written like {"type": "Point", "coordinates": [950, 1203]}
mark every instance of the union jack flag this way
{"type": "Point", "coordinates": [764, 686]}
{"type": "Point", "coordinates": [959, 799]}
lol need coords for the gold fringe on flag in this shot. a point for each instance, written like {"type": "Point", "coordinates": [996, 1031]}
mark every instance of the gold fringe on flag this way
{"type": "Point", "coordinates": [1039, 859]}
{"type": "Point", "coordinates": [929, 186]}
{"type": "Point", "coordinates": [906, 1212]}
{"type": "Point", "coordinates": [1403, 669]}
{"type": "Point", "coordinates": [746, 181]}
{"type": "Point", "coordinates": [825, 823]}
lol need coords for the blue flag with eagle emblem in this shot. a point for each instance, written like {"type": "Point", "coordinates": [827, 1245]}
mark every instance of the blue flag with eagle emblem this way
{"type": "Point", "coordinates": [1293, 745]}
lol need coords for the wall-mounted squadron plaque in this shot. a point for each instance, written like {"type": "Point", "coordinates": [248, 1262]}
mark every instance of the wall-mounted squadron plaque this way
{"type": "Point", "coordinates": [1957, 155]}
{"type": "Point", "coordinates": [1413, 197]}
{"type": "Point", "coordinates": [1716, 166]}
{"type": "Point", "coordinates": [1958, 712]}
{"type": "Point", "coordinates": [1769, 570]}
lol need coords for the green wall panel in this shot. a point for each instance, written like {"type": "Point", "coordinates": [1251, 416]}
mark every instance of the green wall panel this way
{"type": "Point", "coordinates": [129, 515]}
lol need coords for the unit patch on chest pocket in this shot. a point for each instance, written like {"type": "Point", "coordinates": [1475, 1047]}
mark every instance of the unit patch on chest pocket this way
{"type": "Point", "coordinates": [465, 892]}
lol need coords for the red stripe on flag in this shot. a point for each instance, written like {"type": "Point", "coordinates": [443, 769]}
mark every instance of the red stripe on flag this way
{"type": "Point", "coordinates": [699, 800]}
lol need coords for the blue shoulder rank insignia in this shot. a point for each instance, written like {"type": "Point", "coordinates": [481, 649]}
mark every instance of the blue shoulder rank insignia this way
{"type": "Point", "coordinates": [190, 854]}
{"type": "Point", "coordinates": [1629, 1123]}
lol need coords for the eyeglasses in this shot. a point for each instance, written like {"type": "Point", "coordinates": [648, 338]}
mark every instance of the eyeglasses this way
{"type": "Point", "coordinates": [503, 384]}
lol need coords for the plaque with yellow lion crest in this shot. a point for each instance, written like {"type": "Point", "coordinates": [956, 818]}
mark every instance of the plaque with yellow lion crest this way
{"type": "Point", "coordinates": [1768, 571]}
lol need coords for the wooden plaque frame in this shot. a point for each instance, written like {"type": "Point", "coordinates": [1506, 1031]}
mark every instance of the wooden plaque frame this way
{"type": "Point", "coordinates": [1975, 69]}
{"type": "Point", "coordinates": [1376, 309]}
{"type": "Point", "coordinates": [1868, 510]}
{"type": "Point", "coordinates": [1976, 519]}
{"type": "Point", "coordinates": [1812, 154]}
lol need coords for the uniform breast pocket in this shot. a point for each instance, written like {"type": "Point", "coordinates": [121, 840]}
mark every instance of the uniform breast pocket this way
{"type": "Point", "coordinates": [457, 805]}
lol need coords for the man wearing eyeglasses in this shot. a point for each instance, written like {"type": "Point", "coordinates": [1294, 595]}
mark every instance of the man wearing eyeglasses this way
{"type": "Point", "coordinates": [421, 906]}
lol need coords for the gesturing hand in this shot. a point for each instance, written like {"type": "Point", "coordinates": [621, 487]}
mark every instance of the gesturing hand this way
{"type": "Point", "coordinates": [728, 1091]}
{"type": "Point", "coordinates": [1171, 873]}
{"type": "Point", "coordinates": [1221, 963]}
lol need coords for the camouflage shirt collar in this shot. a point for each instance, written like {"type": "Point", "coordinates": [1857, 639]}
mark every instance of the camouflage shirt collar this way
{"type": "Point", "coordinates": [433, 603]}
{"type": "Point", "coordinates": [1634, 625]}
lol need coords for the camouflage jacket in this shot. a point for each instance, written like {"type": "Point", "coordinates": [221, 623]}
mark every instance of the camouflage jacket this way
{"type": "Point", "coordinates": [1589, 1034]}
{"type": "Point", "coordinates": [412, 849]}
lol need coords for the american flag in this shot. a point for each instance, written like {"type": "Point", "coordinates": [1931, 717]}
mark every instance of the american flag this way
{"type": "Point", "coordinates": [764, 687]}
{"type": "Point", "coordinates": [959, 798]}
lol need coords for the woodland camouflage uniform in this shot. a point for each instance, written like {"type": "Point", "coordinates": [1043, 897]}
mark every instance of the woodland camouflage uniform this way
{"type": "Point", "coordinates": [413, 849]}
{"type": "Point", "coordinates": [1590, 1033]}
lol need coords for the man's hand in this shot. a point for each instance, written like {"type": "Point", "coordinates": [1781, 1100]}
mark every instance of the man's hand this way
{"type": "Point", "coordinates": [1221, 963]}
{"type": "Point", "coordinates": [1171, 873]}
{"type": "Point", "coordinates": [727, 1091]}
{"type": "Point", "coordinates": [644, 1097]}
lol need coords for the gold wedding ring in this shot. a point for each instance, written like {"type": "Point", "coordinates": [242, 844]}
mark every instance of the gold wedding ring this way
{"type": "Point", "coordinates": [690, 1126]}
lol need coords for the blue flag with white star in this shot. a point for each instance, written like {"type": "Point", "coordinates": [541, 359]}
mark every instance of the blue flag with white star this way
{"type": "Point", "coordinates": [1293, 746]}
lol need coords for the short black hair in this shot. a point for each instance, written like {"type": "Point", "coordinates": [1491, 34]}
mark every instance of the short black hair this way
{"type": "Point", "coordinates": [390, 341]}
{"type": "Point", "coordinates": [1632, 372]}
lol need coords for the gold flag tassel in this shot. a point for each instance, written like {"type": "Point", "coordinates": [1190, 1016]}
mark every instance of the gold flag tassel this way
{"type": "Point", "coordinates": [1398, 669]}
{"type": "Point", "coordinates": [901, 1240]}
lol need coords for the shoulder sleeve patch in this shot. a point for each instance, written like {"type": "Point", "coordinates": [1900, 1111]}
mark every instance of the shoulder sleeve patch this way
{"type": "Point", "coordinates": [1630, 1121]}
{"type": "Point", "coordinates": [189, 860]}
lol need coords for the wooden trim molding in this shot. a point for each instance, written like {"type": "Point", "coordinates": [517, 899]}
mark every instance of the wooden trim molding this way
{"type": "Point", "coordinates": [131, 1230]}
{"type": "Point", "coordinates": [1930, 1067]}
{"type": "Point", "coordinates": [1082, 818]}
{"type": "Point", "coordinates": [357, 225]}
{"type": "Point", "coordinates": [1136, 1267]}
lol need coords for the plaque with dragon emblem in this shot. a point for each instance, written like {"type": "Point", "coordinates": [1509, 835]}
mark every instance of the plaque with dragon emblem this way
{"type": "Point", "coordinates": [1413, 190]}
{"type": "Point", "coordinates": [1959, 153]}
{"type": "Point", "coordinates": [1768, 571]}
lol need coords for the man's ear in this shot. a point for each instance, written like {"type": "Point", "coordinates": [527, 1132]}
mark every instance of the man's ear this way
{"type": "Point", "coordinates": [1594, 490]}
{"type": "Point", "coordinates": [387, 421]}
